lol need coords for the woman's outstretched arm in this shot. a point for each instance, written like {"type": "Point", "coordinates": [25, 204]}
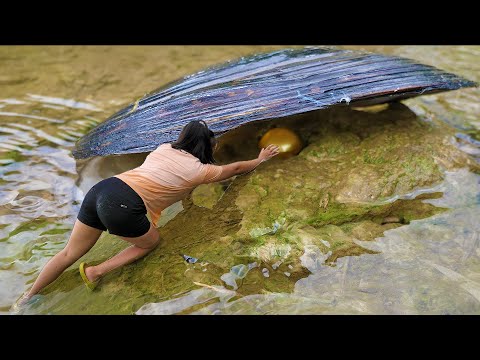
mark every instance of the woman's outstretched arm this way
{"type": "Point", "coordinates": [242, 167]}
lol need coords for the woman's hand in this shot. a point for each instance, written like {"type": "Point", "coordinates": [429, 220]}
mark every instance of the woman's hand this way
{"type": "Point", "coordinates": [268, 152]}
{"type": "Point", "coordinates": [244, 167]}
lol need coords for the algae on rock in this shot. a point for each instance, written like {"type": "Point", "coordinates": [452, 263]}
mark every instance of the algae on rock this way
{"type": "Point", "coordinates": [359, 175]}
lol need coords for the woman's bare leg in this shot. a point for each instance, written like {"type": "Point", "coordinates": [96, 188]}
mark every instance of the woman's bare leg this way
{"type": "Point", "coordinates": [142, 245]}
{"type": "Point", "coordinates": [82, 239]}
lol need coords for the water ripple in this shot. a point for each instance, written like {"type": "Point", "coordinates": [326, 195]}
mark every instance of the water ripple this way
{"type": "Point", "coordinates": [57, 121]}
{"type": "Point", "coordinates": [71, 103]}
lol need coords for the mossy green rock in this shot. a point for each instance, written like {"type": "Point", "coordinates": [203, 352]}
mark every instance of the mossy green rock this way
{"type": "Point", "coordinates": [359, 174]}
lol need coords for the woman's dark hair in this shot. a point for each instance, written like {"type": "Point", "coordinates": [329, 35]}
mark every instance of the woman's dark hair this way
{"type": "Point", "coordinates": [198, 140]}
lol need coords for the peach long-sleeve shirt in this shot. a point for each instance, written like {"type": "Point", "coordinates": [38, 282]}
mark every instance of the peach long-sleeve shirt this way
{"type": "Point", "coordinates": [166, 176]}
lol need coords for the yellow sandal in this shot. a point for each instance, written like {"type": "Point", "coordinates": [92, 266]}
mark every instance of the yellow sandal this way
{"type": "Point", "coordinates": [89, 284]}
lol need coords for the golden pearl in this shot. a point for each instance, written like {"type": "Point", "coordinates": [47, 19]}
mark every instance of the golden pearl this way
{"type": "Point", "coordinates": [288, 142]}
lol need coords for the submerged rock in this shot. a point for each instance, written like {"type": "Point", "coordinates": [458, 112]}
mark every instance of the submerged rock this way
{"type": "Point", "coordinates": [358, 172]}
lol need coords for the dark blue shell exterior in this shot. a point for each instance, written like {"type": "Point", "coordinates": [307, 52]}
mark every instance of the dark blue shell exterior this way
{"type": "Point", "coordinates": [263, 86]}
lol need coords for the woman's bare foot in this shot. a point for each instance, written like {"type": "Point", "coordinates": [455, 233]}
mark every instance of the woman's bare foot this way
{"type": "Point", "coordinates": [92, 274]}
{"type": "Point", "coordinates": [20, 303]}
{"type": "Point", "coordinates": [24, 299]}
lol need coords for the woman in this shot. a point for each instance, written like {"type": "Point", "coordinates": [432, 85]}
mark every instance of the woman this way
{"type": "Point", "coordinates": [120, 204]}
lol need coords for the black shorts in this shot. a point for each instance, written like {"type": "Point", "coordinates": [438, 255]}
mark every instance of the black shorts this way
{"type": "Point", "coordinates": [114, 206]}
